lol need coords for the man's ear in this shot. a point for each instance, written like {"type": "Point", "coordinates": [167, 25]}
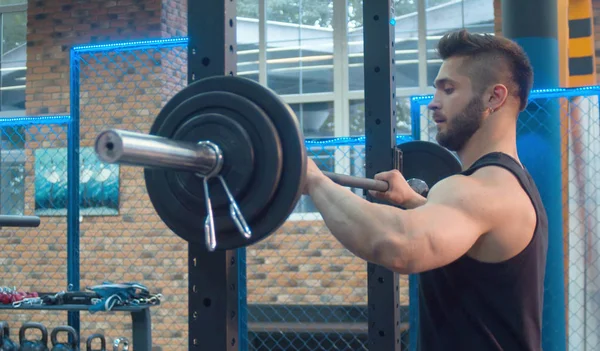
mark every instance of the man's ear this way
{"type": "Point", "coordinates": [497, 95]}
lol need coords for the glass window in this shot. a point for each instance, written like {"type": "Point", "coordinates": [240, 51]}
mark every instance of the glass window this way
{"type": "Point", "coordinates": [247, 50]}
{"type": "Point", "coordinates": [12, 198]}
{"type": "Point", "coordinates": [357, 116]}
{"type": "Point", "coordinates": [247, 60]}
{"type": "Point", "coordinates": [406, 54]}
{"type": "Point", "coordinates": [316, 119]}
{"type": "Point", "coordinates": [12, 170]}
{"type": "Point", "coordinates": [12, 2]}
{"type": "Point", "coordinates": [13, 60]}
{"type": "Point", "coordinates": [300, 46]}
{"type": "Point", "coordinates": [447, 15]}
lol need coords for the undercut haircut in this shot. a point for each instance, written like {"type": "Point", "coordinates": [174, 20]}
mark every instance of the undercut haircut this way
{"type": "Point", "coordinates": [489, 60]}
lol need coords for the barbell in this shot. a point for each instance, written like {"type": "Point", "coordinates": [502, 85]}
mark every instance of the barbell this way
{"type": "Point", "coordinates": [231, 151]}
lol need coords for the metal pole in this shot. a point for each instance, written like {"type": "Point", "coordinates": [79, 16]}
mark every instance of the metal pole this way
{"type": "Point", "coordinates": [533, 24]}
{"type": "Point", "coordinates": [214, 277]}
{"type": "Point", "coordinates": [380, 129]}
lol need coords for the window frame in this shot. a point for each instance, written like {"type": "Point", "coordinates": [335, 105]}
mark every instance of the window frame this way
{"type": "Point", "coordinates": [12, 158]}
{"type": "Point", "coordinates": [4, 9]}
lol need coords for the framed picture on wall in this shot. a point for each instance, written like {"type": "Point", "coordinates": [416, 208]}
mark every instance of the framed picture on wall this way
{"type": "Point", "coordinates": [98, 189]}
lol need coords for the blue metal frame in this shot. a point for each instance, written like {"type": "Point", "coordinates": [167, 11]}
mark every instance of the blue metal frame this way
{"type": "Point", "coordinates": [73, 264]}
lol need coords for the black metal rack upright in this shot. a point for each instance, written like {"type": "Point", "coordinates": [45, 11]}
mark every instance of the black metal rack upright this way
{"type": "Point", "coordinates": [213, 276]}
{"type": "Point", "coordinates": [213, 292]}
{"type": "Point", "coordinates": [380, 133]}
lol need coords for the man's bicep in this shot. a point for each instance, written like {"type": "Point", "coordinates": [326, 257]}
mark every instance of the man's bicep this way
{"type": "Point", "coordinates": [454, 218]}
{"type": "Point", "coordinates": [440, 234]}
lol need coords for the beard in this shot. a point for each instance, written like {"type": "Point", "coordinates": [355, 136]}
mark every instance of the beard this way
{"type": "Point", "coordinates": [461, 127]}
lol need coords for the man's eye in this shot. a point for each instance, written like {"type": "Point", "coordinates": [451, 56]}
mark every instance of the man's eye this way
{"type": "Point", "coordinates": [448, 90]}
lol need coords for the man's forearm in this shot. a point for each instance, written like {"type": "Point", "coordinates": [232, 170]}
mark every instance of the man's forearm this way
{"type": "Point", "coordinates": [353, 220]}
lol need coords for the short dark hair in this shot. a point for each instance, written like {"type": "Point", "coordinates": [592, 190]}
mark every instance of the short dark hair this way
{"type": "Point", "coordinates": [489, 60]}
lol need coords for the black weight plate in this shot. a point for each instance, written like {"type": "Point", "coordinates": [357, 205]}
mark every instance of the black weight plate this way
{"type": "Point", "coordinates": [264, 175]}
{"type": "Point", "coordinates": [237, 149]}
{"type": "Point", "coordinates": [293, 171]}
{"type": "Point", "coordinates": [427, 161]}
{"type": "Point", "coordinates": [178, 197]}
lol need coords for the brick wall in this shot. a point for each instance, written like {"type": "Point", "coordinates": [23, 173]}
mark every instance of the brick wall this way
{"type": "Point", "coordinates": [121, 91]}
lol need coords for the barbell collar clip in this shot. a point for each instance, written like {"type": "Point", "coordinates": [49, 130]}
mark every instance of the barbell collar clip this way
{"type": "Point", "coordinates": [236, 213]}
{"type": "Point", "coordinates": [209, 221]}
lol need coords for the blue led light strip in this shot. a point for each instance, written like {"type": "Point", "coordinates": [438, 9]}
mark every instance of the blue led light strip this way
{"type": "Point", "coordinates": [348, 141]}
{"type": "Point", "coordinates": [30, 120]}
{"type": "Point", "coordinates": [536, 94]}
{"type": "Point", "coordinates": [132, 45]}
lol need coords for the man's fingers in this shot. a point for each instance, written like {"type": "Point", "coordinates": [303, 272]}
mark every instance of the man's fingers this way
{"type": "Point", "coordinates": [377, 194]}
{"type": "Point", "coordinates": [385, 175]}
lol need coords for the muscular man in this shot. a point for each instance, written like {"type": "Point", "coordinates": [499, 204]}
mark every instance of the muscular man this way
{"type": "Point", "coordinates": [478, 242]}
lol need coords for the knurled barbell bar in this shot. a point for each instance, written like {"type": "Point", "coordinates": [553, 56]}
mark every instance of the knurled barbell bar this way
{"type": "Point", "coordinates": [230, 150]}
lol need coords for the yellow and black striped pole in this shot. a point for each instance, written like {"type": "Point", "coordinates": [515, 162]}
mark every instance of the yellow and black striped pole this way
{"type": "Point", "coordinates": [582, 63]}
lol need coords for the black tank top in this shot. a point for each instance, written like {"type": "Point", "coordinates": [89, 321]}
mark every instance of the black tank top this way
{"type": "Point", "coordinates": [472, 305]}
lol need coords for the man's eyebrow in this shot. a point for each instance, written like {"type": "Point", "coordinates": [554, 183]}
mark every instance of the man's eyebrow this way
{"type": "Point", "coordinates": [442, 81]}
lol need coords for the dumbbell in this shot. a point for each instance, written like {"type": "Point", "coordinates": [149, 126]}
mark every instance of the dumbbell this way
{"type": "Point", "coordinates": [33, 345]}
{"type": "Point", "coordinates": [5, 343]}
{"type": "Point", "coordinates": [64, 346]}
{"type": "Point", "coordinates": [93, 337]}
{"type": "Point", "coordinates": [118, 343]}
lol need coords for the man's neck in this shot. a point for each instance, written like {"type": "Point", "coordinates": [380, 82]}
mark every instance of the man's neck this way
{"type": "Point", "coordinates": [497, 134]}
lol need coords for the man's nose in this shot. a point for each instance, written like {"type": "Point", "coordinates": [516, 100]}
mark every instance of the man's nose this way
{"type": "Point", "coordinates": [433, 105]}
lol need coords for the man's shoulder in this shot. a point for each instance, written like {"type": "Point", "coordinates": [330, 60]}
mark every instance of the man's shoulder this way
{"type": "Point", "coordinates": [489, 188]}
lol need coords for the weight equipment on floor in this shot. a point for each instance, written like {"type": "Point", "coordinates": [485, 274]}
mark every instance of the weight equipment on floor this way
{"type": "Point", "coordinates": [121, 341]}
{"type": "Point", "coordinates": [90, 340]}
{"type": "Point", "coordinates": [231, 150]}
{"type": "Point", "coordinates": [33, 345]}
{"type": "Point", "coordinates": [6, 344]}
{"type": "Point", "coordinates": [64, 346]}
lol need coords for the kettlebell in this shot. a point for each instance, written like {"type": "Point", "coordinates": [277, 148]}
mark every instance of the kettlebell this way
{"type": "Point", "coordinates": [120, 341]}
{"type": "Point", "coordinates": [5, 343]}
{"type": "Point", "coordinates": [93, 337]}
{"type": "Point", "coordinates": [64, 346]}
{"type": "Point", "coordinates": [33, 345]}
